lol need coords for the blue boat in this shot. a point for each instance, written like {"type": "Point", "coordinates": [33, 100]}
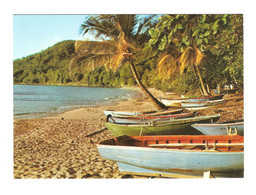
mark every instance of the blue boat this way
{"type": "Point", "coordinates": [205, 98]}
{"type": "Point", "coordinates": [225, 91]}
{"type": "Point", "coordinates": [187, 156]}
{"type": "Point", "coordinates": [221, 128]}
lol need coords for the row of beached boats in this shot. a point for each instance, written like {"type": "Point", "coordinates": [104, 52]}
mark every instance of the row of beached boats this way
{"type": "Point", "coordinates": [194, 103]}
{"type": "Point", "coordinates": [175, 143]}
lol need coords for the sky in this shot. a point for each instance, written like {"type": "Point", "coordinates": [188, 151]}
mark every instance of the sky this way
{"type": "Point", "coordinates": [34, 33]}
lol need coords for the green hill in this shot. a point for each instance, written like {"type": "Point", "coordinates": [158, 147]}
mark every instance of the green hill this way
{"type": "Point", "coordinates": [50, 67]}
{"type": "Point", "coordinates": [46, 67]}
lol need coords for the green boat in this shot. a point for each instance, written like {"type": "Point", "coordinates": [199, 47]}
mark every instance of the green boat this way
{"type": "Point", "coordinates": [171, 127]}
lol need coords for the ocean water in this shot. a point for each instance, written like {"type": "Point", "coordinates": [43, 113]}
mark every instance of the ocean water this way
{"type": "Point", "coordinates": [30, 101]}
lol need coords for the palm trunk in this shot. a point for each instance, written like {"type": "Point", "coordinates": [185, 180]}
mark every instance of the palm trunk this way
{"type": "Point", "coordinates": [201, 81]}
{"type": "Point", "coordinates": [158, 105]}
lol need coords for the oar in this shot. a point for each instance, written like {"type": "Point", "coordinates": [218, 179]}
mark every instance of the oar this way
{"type": "Point", "coordinates": [96, 132]}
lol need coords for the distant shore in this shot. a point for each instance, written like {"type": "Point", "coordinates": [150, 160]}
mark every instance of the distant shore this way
{"type": "Point", "coordinates": [57, 146]}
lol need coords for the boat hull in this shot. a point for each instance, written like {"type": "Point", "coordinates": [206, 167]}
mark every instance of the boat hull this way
{"type": "Point", "coordinates": [168, 161]}
{"type": "Point", "coordinates": [220, 129]}
{"type": "Point", "coordinates": [173, 127]}
{"type": "Point", "coordinates": [225, 91]}
{"type": "Point", "coordinates": [177, 102]}
{"type": "Point", "coordinates": [193, 106]}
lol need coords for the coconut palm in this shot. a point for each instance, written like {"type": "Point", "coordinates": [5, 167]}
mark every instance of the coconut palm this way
{"type": "Point", "coordinates": [182, 38]}
{"type": "Point", "coordinates": [121, 37]}
{"type": "Point", "coordinates": [172, 60]}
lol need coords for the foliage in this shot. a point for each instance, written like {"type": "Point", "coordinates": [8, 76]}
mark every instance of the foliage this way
{"type": "Point", "coordinates": [47, 67]}
{"type": "Point", "coordinates": [218, 37]}
{"type": "Point", "coordinates": [51, 67]}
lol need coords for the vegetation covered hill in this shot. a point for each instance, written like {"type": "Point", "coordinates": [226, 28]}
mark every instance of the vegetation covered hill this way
{"type": "Point", "coordinates": [50, 67]}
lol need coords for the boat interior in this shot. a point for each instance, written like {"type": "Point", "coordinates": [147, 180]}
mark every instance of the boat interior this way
{"type": "Point", "coordinates": [220, 143]}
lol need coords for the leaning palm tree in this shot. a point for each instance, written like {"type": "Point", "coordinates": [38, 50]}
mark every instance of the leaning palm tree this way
{"type": "Point", "coordinates": [172, 60]}
{"type": "Point", "coordinates": [121, 37]}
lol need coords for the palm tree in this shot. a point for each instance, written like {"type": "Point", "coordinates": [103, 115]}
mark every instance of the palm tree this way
{"type": "Point", "coordinates": [172, 60]}
{"type": "Point", "coordinates": [122, 36]}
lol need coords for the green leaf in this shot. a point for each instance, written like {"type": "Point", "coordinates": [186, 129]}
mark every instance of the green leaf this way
{"type": "Point", "coordinates": [187, 43]}
{"type": "Point", "coordinates": [180, 26]}
{"type": "Point", "coordinates": [154, 33]}
{"type": "Point", "coordinates": [175, 29]}
{"type": "Point", "coordinates": [163, 43]}
{"type": "Point", "coordinates": [207, 33]}
{"type": "Point", "coordinates": [199, 41]}
{"type": "Point", "coordinates": [196, 32]}
{"type": "Point", "coordinates": [206, 26]}
{"type": "Point", "coordinates": [153, 41]}
{"type": "Point", "coordinates": [215, 32]}
{"type": "Point", "coordinates": [203, 18]}
{"type": "Point", "coordinates": [215, 25]}
{"type": "Point", "coordinates": [206, 40]}
{"type": "Point", "coordinates": [177, 16]}
{"type": "Point", "coordinates": [184, 39]}
{"type": "Point", "coordinates": [170, 37]}
{"type": "Point", "coordinates": [224, 20]}
{"type": "Point", "coordinates": [181, 49]}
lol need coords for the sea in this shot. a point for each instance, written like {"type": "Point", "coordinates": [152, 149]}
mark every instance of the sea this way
{"type": "Point", "coordinates": [33, 101]}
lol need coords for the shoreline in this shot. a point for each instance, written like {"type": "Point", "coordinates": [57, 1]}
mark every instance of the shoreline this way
{"type": "Point", "coordinates": [135, 93]}
{"type": "Point", "coordinates": [57, 146]}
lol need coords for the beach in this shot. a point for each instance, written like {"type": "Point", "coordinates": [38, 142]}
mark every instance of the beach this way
{"type": "Point", "coordinates": [59, 146]}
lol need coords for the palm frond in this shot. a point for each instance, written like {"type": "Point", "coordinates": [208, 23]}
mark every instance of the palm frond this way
{"type": "Point", "coordinates": [190, 56]}
{"type": "Point", "coordinates": [187, 58]}
{"type": "Point", "coordinates": [94, 46]}
{"type": "Point", "coordinates": [127, 23]}
{"type": "Point", "coordinates": [100, 27]}
{"type": "Point", "coordinates": [90, 54]}
{"type": "Point", "coordinates": [145, 24]}
{"type": "Point", "coordinates": [168, 64]}
{"type": "Point", "coordinates": [199, 56]}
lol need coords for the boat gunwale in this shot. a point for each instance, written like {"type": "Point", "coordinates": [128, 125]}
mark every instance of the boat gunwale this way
{"type": "Point", "coordinates": [218, 124]}
{"type": "Point", "coordinates": [116, 147]}
{"type": "Point", "coordinates": [207, 97]}
{"type": "Point", "coordinates": [141, 117]}
{"type": "Point", "coordinates": [203, 103]}
{"type": "Point", "coordinates": [168, 122]}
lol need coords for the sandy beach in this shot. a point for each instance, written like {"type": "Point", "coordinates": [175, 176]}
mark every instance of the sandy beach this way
{"type": "Point", "coordinates": [57, 146]}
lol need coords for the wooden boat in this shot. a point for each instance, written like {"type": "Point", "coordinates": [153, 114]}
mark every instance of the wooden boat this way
{"type": "Point", "coordinates": [170, 93]}
{"type": "Point", "coordinates": [171, 102]}
{"type": "Point", "coordinates": [171, 127]}
{"type": "Point", "coordinates": [202, 105]}
{"type": "Point", "coordinates": [177, 102]}
{"type": "Point", "coordinates": [225, 91]}
{"type": "Point", "coordinates": [146, 119]}
{"type": "Point", "coordinates": [205, 98]}
{"type": "Point", "coordinates": [222, 128]}
{"type": "Point", "coordinates": [150, 113]}
{"type": "Point", "coordinates": [174, 156]}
